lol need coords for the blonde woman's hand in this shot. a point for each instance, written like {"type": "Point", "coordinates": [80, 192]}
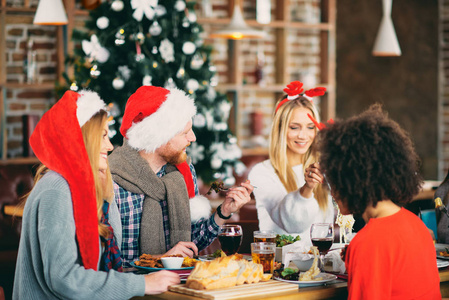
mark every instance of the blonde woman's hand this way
{"type": "Point", "coordinates": [158, 282]}
{"type": "Point", "coordinates": [312, 176]}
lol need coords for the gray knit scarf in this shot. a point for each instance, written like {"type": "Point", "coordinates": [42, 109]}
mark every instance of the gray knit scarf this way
{"type": "Point", "coordinates": [132, 172]}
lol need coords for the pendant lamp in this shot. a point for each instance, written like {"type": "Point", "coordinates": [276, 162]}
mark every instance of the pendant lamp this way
{"type": "Point", "coordinates": [237, 28]}
{"type": "Point", "coordinates": [386, 43]}
{"type": "Point", "coordinates": [50, 12]}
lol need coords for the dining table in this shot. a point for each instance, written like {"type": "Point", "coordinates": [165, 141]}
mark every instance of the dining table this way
{"type": "Point", "coordinates": [336, 289]}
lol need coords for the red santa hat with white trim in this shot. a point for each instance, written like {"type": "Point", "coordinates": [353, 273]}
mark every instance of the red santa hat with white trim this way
{"type": "Point", "coordinates": [58, 143]}
{"type": "Point", "coordinates": [153, 116]}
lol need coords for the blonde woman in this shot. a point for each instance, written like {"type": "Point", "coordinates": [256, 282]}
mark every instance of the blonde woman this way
{"type": "Point", "coordinates": [71, 226]}
{"type": "Point", "coordinates": [290, 194]}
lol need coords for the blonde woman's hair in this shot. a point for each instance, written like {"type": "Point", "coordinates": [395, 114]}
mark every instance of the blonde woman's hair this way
{"type": "Point", "coordinates": [278, 148]}
{"type": "Point", "coordinates": [92, 135]}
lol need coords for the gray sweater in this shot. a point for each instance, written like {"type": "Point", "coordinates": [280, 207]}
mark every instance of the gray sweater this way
{"type": "Point", "coordinates": [49, 265]}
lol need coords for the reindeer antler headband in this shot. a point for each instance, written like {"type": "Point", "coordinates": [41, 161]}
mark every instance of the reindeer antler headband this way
{"type": "Point", "coordinates": [294, 90]}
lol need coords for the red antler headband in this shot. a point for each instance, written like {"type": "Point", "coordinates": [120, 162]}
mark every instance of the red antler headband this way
{"type": "Point", "coordinates": [319, 125]}
{"type": "Point", "coordinates": [294, 90]}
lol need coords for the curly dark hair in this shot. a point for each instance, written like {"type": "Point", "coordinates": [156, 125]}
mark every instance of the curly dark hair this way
{"type": "Point", "coordinates": [369, 158]}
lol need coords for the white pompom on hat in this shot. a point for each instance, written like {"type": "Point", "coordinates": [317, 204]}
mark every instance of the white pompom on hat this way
{"type": "Point", "coordinates": [154, 115]}
{"type": "Point", "coordinates": [88, 104]}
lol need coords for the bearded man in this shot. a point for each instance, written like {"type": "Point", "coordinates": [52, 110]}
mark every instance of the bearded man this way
{"type": "Point", "coordinates": [155, 184]}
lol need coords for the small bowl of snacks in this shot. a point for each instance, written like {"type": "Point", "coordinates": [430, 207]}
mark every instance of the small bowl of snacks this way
{"type": "Point", "coordinates": [172, 262]}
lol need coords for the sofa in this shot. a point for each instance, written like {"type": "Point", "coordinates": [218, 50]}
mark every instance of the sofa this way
{"type": "Point", "coordinates": [15, 181]}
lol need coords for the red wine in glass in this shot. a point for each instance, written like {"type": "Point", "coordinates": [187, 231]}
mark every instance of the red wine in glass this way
{"type": "Point", "coordinates": [230, 238]}
{"type": "Point", "coordinates": [323, 244]}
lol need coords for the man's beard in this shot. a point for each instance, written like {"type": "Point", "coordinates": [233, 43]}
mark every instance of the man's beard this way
{"type": "Point", "coordinates": [172, 156]}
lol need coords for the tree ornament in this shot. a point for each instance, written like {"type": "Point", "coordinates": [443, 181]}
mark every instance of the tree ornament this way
{"type": "Point", "coordinates": [143, 7]}
{"type": "Point", "coordinates": [211, 94]}
{"type": "Point", "coordinates": [192, 85]}
{"type": "Point", "coordinates": [160, 10]}
{"type": "Point", "coordinates": [180, 5]}
{"type": "Point", "coordinates": [155, 64]}
{"type": "Point", "coordinates": [94, 72]}
{"type": "Point", "coordinates": [154, 50]}
{"type": "Point", "coordinates": [181, 72]}
{"type": "Point", "coordinates": [185, 22]}
{"type": "Point", "coordinates": [192, 16]}
{"type": "Point", "coordinates": [118, 83]}
{"type": "Point", "coordinates": [167, 51]}
{"type": "Point", "coordinates": [155, 29]}
{"type": "Point", "coordinates": [120, 37]}
{"type": "Point", "coordinates": [114, 109]}
{"type": "Point", "coordinates": [74, 87]}
{"type": "Point", "coordinates": [196, 152]}
{"type": "Point", "coordinates": [188, 48]}
{"type": "Point", "coordinates": [139, 55]}
{"type": "Point", "coordinates": [102, 22]}
{"type": "Point", "coordinates": [170, 84]}
{"type": "Point", "coordinates": [117, 5]}
{"type": "Point", "coordinates": [229, 179]}
{"type": "Point", "coordinates": [220, 126]}
{"type": "Point", "coordinates": [147, 80]}
{"type": "Point", "coordinates": [125, 72]}
{"type": "Point", "coordinates": [240, 168]}
{"type": "Point", "coordinates": [140, 37]}
{"type": "Point", "coordinates": [199, 120]}
{"type": "Point", "coordinates": [216, 162]}
{"type": "Point", "coordinates": [94, 50]}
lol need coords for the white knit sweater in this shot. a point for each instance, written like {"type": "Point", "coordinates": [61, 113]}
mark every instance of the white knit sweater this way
{"type": "Point", "coordinates": [282, 212]}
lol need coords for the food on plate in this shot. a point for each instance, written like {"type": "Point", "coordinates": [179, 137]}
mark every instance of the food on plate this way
{"type": "Point", "coordinates": [345, 222]}
{"type": "Point", "coordinates": [218, 253]}
{"type": "Point", "coordinates": [445, 253]}
{"type": "Point", "coordinates": [285, 239]}
{"type": "Point", "coordinates": [149, 261]}
{"type": "Point", "coordinates": [224, 272]}
{"type": "Point", "coordinates": [313, 272]}
{"type": "Point", "coordinates": [216, 186]}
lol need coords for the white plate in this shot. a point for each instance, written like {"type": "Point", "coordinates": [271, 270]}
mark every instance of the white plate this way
{"type": "Point", "coordinates": [157, 269]}
{"type": "Point", "coordinates": [326, 278]}
{"type": "Point", "coordinates": [442, 263]}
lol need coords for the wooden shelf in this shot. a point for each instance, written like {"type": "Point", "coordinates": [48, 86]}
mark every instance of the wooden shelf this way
{"type": "Point", "coordinates": [32, 86]}
{"type": "Point", "coordinates": [19, 161]}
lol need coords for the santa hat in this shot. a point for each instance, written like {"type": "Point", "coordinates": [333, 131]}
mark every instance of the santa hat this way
{"type": "Point", "coordinates": [58, 143]}
{"type": "Point", "coordinates": [154, 115]}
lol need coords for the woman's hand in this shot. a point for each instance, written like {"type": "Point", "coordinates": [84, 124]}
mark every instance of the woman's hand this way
{"type": "Point", "coordinates": [312, 176]}
{"type": "Point", "coordinates": [158, 282]}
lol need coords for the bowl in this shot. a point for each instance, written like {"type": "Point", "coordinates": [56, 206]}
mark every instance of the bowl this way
{"type": "Point", "coordinates": [303, 263]}
{"type": "Point", "coordinates": [172, 262]}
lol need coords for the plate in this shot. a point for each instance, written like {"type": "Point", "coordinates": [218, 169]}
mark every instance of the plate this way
{"type": "Point", "coordinates": [157, 269]}
{"type": "Point", "coordinates": [442, 263]}
{"type": "Point", "coordinates": [441, 247]}
{"type": "Point", "coordinates": [326, 278]}
{"type": "Point", "coordinates": [209, 257]}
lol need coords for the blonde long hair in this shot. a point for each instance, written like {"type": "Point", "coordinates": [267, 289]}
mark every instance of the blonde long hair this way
{"type": "Point", "coordinates": [92, 134]}
{"type": "Point", "coordinates": [278, 148]}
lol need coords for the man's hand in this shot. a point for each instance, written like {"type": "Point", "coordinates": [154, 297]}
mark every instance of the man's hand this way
{"type": "Point", "coordinates": [158, 282]}
{"type": "Point", "coordinates": [236, 197]}
{"type": "Point", "coordinates": [184, 248]}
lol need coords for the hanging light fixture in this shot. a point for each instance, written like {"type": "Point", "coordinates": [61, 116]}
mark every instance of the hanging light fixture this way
{"type": "Point", "coordinates": [386, 43]}
{"type": "Point", "coordinates": [50, 12]}
{"type": "Point", "coordinates": [237, 28]}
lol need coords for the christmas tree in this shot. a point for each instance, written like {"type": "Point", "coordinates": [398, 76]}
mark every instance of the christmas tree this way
{"type": "Point", "coordinates": [131, 43]}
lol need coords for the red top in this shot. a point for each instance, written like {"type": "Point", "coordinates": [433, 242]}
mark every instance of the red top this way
{"type": "Point", "coordinates": [393, 258]}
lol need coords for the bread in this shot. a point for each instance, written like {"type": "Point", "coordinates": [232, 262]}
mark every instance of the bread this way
{"type": "Point", "coordinates": [225, 272]}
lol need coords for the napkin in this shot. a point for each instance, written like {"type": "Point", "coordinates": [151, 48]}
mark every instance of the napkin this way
{"type": "Point", "coordinates": [297, 250]}
{"type": "Point", "coordinates": [338, 265]}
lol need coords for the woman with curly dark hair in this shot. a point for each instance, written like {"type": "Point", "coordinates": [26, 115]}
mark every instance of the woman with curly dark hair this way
{"type": "Point", "coordinates": [372, 167]}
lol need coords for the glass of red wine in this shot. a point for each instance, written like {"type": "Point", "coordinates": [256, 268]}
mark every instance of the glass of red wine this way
{"type": "Point", "coordinates": [230, 238]}
{"type": "Point", "coordinates": [322, 236]}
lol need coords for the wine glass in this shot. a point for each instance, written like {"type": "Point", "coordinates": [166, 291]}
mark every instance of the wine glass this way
{"type": "Point", "coordinates": [230, 238]}
{"type": "Point", "coordinates": [322, 236]}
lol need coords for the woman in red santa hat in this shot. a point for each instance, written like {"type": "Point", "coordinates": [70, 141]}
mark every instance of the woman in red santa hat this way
{"type": "Point", "coordinates": [68, 245]}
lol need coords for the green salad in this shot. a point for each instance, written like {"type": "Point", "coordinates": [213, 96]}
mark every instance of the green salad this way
{"type": "Point", "coordinates": [285, 239]}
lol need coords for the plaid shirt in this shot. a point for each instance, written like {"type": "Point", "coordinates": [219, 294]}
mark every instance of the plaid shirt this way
{"type": "Point", "coordinates": [130, 205]}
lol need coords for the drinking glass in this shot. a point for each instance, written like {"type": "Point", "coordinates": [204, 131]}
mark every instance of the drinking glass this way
{"type": "Point", "coordinates": [322, 236]}
{"type": "Point", "coordinates": [230, 238]}
{"type": "Point", "coordinates": [263, 253]}
{"type": "Point", "coordinates": [267, 236]}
